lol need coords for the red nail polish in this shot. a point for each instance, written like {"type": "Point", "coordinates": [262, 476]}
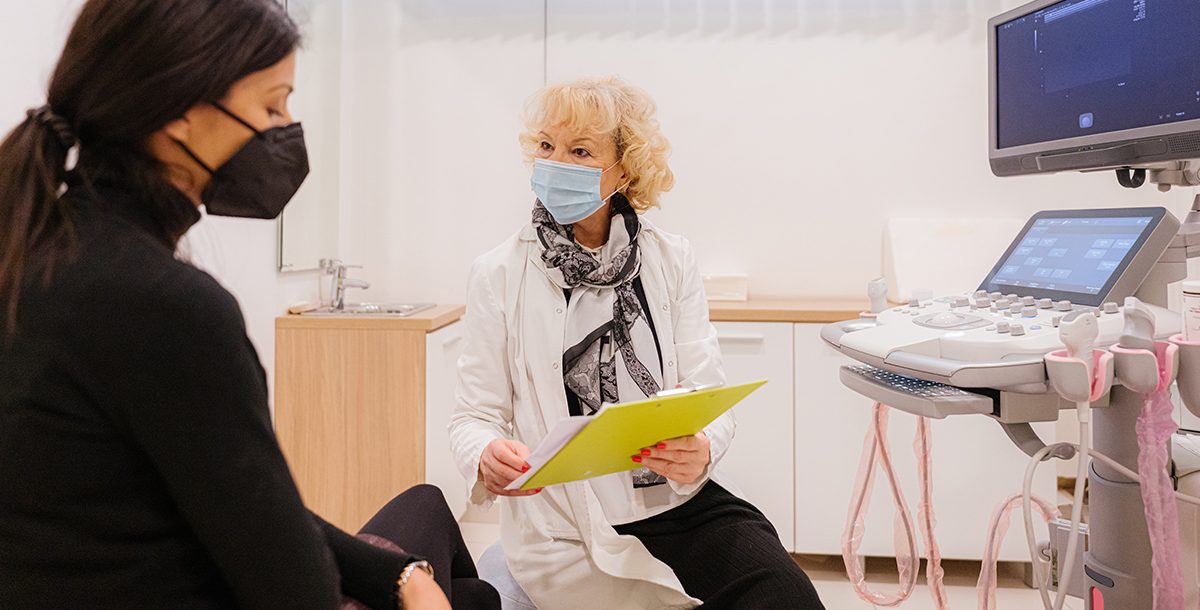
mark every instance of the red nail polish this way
{"type": "Point", "coordinates": [662, 445]}
{"type": "Point", "coordinates": [637, 458]}
{"type": "Point", "coordinates": [646, 452]}
{"type": "Point", "coordinates": [525, 468]}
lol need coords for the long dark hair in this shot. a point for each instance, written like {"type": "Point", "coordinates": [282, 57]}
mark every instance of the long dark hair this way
{"type": "Point", "coordinates": [129, 67]}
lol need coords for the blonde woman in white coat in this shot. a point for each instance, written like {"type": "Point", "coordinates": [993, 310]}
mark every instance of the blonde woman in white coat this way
{"type": "Point", "coordinates": [589, 304]}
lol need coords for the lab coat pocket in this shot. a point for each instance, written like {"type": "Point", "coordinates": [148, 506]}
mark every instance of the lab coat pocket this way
{"type": "Point", "coordinates": [549, 513]}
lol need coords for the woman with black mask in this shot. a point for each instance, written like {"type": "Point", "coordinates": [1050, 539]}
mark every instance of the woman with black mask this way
{"type": "Point", "coordinates": [138, 467]}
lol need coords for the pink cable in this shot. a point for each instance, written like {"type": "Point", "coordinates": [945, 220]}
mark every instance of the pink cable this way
{"type": "Point", "coordinates": [1155, 425]}
{"type": "Point", "coordinates": [875, 451]}
{"type": "Point", "coordinates": [934, 575]}
{"type": "Point", "coordinates": [1001, 520]}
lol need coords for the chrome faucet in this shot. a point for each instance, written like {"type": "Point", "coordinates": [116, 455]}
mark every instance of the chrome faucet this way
{"type": "Point", "coordinates": [341, 283]}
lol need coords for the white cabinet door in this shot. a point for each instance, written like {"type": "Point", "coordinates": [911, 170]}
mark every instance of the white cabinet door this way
{"type": "Point", "coordinates": [975, 466]}
{"type": "Point", "coordinates": [760, 460]}
{"type": "Point", "coordinates": [442, 348]}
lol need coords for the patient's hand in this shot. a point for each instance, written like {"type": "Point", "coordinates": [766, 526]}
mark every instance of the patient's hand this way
{"type": "Point", "coordinates": [682, 459]}
{"type": "Point", "coordinates": [502, 462]}
{"type": "Point", "coordinates": [423, 593]}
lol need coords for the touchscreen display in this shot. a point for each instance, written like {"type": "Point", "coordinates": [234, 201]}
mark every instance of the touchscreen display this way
{"type": "Point", "coordinates": [1078, 255]}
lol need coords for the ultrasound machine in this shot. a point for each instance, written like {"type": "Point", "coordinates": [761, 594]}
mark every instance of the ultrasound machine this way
{"type": "Point", "coordinates": [1074, 85]}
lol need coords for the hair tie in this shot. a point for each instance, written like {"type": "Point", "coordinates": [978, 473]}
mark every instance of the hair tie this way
{"type": "Point", "coordinates": [61, 128]}
{"type": "Point", "coordinates": [56, 123]}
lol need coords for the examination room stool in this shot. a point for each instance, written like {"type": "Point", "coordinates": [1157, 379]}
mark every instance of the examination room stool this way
{"type": "Point", "coordinates": [493, 569]}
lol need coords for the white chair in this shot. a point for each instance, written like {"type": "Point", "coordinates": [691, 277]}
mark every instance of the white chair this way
{"type": "Point", "coordinates": [493, 568]}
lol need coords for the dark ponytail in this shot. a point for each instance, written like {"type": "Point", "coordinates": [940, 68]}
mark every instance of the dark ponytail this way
{"type": "Point", "coordinates": [32, 166]}
{"type": "Point", "coordinates": [129, 67]}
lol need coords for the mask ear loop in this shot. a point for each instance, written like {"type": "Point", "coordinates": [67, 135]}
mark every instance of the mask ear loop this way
{"type": "Point", "coordinates": [195, 158]}
{"type": "Point", "coordinates": [618, 189]}
{"type": "Point", "coordinates": [231, 115]}
{"type": "Point", "coordinates": [235, 117]}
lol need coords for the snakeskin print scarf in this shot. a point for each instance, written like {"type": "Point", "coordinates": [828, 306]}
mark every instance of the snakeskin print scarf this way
{"type": "Point", "coordinates": [611, 351]}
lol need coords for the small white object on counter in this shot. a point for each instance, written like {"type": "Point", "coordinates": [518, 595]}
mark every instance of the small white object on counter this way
{"type": "Point", "coordinates": [1191, 310]}
{"type": "Point", "coordinates": [727, 287]}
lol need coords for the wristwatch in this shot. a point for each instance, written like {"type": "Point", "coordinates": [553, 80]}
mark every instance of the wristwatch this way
{"type": "Point", "coordinates": [405, 574]}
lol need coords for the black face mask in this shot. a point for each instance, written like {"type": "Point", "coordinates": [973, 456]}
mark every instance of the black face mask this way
{"type": "Point", "coordinates": [260, 179]}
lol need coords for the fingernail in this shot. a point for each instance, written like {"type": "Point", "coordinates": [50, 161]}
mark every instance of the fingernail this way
{"type": "Point", "coordinates": [646, 452]}
{"type": "Point", "coordinates": [662, 445]}
{"type": "Point", "coordinates": [525, 468]}
{"type": "Point", "coordinates": [538, 490]}
{"type": "Point", "coordinates": [637, 458]}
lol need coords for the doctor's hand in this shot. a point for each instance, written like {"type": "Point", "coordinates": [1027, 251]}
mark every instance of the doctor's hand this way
{"type": "Point", "coordinates": [682, 459]}
{"type": "Point", "coordinates": [502, 462]}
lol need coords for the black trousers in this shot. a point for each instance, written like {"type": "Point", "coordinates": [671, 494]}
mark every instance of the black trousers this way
{"type": "Point", "coordinates": [726, 553]}
{"type": "Point", "coordinates": [420, 522]}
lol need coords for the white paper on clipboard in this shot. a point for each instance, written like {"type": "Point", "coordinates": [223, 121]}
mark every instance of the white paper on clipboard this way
{"type": "Point", "coordinates": [559, 435]}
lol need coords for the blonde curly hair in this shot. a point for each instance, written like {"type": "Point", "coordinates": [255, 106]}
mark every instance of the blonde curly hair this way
{"type": "Point", "coordinates": [608, 107]}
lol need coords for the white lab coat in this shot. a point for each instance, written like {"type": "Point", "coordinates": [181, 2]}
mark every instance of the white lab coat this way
{"type": "Point", "coordinates": [559, 544]}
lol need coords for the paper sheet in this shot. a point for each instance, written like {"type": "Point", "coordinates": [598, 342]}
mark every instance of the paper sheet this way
{"type": "Point", "coordinates": [563, 431]}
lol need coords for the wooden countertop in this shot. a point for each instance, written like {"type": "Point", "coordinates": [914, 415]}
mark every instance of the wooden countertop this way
{"type": "Point", "coordinates": [814, 311]}
{"type": "Point", "coordinates": [428, 320]}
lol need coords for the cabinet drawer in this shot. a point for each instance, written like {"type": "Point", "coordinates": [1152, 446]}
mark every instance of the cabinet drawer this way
{"type": "Point", "coordinates": [760, 461]}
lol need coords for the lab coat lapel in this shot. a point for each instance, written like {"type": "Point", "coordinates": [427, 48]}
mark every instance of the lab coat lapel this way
{"type": "Point", "coordinates": [658, 298]}
{"type": "Point", "coordinates": [542, 329]}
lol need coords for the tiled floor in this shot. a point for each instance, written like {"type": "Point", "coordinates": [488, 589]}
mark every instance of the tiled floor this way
{"type": "Point", "coordinates": [829, 576]}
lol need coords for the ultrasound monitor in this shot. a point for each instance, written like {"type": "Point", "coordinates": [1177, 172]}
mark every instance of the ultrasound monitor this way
{"type": "Point", "coordinates": [1088, 257]}
{"type": "Point", "coordinates": [1093, 84]}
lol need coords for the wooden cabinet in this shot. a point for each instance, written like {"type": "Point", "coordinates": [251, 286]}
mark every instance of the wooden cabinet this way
{"type": "Point", "coordinates": [350, 407]}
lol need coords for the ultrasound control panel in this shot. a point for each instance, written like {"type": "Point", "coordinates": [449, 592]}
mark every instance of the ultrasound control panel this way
{"type": "Point", "coordinates": [996, 336]}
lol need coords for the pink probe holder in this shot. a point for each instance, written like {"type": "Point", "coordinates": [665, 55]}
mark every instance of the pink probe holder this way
{"type": "Point", "coordinates": [1137, 369]}
{"type": "Point", "coordinates": [1069, 377]}
{"type": "Point", "coordinates": [1188, 365]}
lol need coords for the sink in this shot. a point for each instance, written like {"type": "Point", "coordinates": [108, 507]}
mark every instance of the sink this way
{"type": "Point", "coordinates": [386, 310]}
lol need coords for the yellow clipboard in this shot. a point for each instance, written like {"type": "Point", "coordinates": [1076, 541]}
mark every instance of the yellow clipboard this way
{"type": "Point", "coordinates": [606, 442]}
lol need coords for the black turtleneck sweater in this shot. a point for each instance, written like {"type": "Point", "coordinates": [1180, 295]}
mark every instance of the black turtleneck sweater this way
{"type": "Point", "coordinates": [138, 465]}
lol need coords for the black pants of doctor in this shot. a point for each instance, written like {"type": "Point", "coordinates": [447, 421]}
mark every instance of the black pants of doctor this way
{"type": "Point", "coordinates": [726, 554]}
{"type": "Point", "coordinates": [420, 522]}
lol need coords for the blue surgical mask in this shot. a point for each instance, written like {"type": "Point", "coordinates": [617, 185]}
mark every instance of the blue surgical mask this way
{"type": "Point", "coordinates": [570, 192]}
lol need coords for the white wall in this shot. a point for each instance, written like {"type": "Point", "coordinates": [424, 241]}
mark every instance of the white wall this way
{"type": "Point", "coordinates": [798, 128]}
{"type": "Point", "coordinates": [443, 140]}
{"type": "Point", "coordinates": [31, 37]}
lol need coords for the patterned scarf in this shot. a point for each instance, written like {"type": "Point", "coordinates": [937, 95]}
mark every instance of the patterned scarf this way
{"type": "Point", "coordinates": [611, 351]}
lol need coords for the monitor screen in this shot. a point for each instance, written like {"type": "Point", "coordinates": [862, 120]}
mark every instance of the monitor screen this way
{"type": "Point", "coordinates": [1086, 67]}
{"type": "Point", "coordinates": [1073, 255]}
